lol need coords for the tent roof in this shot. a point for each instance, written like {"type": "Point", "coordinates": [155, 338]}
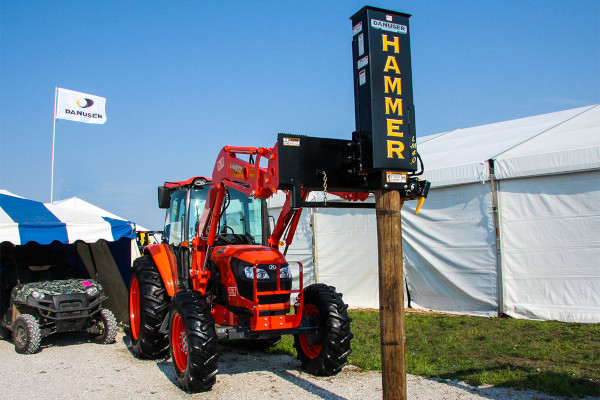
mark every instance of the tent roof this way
{"type": "Point", "coordinates": [23, 221]}
{"type": "Point", "coordinates": [543, 144]}
{"type": "Point", "coordinates": [81, 205]}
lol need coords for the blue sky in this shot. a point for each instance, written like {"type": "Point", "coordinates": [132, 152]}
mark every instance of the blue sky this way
{"type": "Point", "coordinates": [185, 78]}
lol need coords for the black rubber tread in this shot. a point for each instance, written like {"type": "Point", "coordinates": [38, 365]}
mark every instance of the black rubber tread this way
{"type": "Point", "coordinates": [335, 331]}
{"type": "Point", "coordinates": [108, 326]}
{"type": "Point", "coordinates": [29, 344]}
{"type": "Point", "coordinates": [154, 306]}
{"type": "Point", "coordinates": [202, 357]}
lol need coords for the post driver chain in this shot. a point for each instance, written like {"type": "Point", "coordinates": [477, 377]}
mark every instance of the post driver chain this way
{"type": "Point", "coordinates": [324, 187]}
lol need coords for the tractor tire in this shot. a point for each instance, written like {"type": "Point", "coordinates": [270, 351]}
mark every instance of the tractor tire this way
{"type": "Point", "coordinates": [325, 351]}
{"type": "Point", "coordinates": [148, 307]}
{"type": "Point", "coordinates": [108, 327]}
{"type": "Point", "coordinates": [193, 340]}
{"type": "Point", "coordinates": [26, 334]}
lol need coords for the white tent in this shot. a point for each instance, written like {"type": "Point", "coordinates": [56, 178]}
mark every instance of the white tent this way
{"type": "Point", "coordinates": [511, 224]}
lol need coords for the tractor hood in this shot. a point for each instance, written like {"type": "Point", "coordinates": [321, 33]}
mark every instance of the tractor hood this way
{"type": "Point", "coordinates": [249, 253]}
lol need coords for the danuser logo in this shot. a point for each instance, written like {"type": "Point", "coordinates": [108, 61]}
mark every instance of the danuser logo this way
{"type": "Point", "coordinates": [85, 103]}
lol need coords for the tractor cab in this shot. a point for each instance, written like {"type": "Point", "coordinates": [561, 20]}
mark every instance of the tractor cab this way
{"type": "Point", "coordinates": [244, 220]}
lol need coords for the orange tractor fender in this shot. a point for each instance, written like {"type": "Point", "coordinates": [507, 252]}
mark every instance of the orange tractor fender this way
{"type": "Point", "coordinates": [165, 262]}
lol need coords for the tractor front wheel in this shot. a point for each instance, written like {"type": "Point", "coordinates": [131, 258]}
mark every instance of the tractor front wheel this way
{"type": "Point", "coordinates": [148, 308]}
{"type": "Point", "coordinates": [324, 351]}
{"type": "Point", "coordinates": [193, 340]}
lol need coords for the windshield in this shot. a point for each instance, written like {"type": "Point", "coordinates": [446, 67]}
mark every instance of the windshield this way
{"type": "Point", "coordinates": [242, 216]}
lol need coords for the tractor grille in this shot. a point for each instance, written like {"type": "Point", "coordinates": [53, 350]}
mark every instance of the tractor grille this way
{"type": "Point", "coordinates": [246, 290]}
{"type": "Point", "coordinates": [245, 285]}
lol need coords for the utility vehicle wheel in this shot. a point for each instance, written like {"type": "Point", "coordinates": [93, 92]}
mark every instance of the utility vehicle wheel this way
{"type": "Point", "coordinates": [148, 307]}
{"type": "Point", "coordinates": [324, 351]}
{"type": "Point", "coordinates": [108, 327]}
{"type": "Point", "coordinates": [26, 334]}
{"type": "Point", "coordinates": [193, 341]}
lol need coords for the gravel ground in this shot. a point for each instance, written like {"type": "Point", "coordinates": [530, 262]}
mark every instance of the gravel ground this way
{"type": "Point", "coordinates": [69, 366]}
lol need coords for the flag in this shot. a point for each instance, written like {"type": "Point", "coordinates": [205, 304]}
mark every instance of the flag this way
{"type": "Point", "coordinates": [80, 107]}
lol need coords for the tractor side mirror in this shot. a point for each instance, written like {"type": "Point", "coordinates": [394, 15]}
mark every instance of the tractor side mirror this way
{"type": "Point", "coordinates": [164, 197]}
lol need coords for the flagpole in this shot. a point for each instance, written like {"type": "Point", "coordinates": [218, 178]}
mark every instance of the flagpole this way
{"type": "Point", "coordinates": [53, 137]}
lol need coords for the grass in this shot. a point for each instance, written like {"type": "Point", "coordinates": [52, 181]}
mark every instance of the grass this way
{"type": "Point", "coordinates": [552, 357]}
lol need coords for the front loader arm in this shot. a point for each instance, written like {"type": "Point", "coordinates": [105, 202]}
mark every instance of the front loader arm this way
{"type": "Point", "coordinates": [248, 177]}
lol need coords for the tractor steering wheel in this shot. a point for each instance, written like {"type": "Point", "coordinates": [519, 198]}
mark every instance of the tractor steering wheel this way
{"type": "Point", "coordinates": [225, 227]}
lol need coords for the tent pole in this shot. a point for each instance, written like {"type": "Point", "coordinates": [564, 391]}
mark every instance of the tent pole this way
{"type": "Point", "coordinates": [496, 214]}
{"type": "Point", "coordinates": [53, 137]}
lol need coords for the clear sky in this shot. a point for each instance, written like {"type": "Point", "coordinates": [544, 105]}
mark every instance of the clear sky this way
{"type": "Point", "coordinates": [185, 78]}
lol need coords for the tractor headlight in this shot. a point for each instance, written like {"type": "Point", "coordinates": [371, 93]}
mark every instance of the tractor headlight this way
{"type": "Point", "coordinates": [284, 273]}
{"type": "Point", "coordinates": [37, 295]}
{"type": "Point", "coordinates": [92, 291]}
{"type": "Point", "coordinates": [260, 273]}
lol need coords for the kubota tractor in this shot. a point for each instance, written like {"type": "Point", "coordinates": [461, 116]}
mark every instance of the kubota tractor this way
{"type": "Point", "coordinates": [220, 274]}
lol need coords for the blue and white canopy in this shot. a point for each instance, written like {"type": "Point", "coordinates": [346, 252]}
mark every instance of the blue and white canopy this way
{"type": "Point", "coordinates": [23, 221]}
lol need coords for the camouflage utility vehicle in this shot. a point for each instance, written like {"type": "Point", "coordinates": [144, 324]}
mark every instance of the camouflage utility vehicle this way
{"type": "Point", "coordinates": [40, 309]}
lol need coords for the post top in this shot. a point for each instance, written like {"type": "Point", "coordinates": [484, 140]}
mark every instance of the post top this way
{"type": "Point", "coordinates": [365, 8]}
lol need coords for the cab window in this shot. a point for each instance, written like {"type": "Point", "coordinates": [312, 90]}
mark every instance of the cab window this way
{"type": "Point", "coordinates": [197, 202]}
{"type": "Point", "coordinates": [177, 218]}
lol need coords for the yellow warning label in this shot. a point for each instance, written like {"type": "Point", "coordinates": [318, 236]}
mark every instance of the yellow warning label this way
{"type": "Point", "coordinates": [291, 142]}
{"type": "Point", "coordinates": [395, 177]}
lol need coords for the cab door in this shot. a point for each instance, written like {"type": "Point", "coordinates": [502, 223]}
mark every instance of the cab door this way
{"type": "Point", "coordinates": [177, 231]}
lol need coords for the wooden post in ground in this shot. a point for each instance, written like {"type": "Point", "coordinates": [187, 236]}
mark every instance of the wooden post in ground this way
{"type": "Point", "coordinates": [391, 294]}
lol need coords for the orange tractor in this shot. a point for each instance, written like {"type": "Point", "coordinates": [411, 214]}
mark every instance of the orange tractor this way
{"type": "Point", "coordinates": [219, 272]}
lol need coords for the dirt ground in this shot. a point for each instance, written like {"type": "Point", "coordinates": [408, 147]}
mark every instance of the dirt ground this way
{"type": "Point", "coordinates": [70, 366]}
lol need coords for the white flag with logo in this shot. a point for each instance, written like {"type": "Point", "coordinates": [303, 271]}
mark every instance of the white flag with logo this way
{"type": "Point", "coordinates": [80, 107]}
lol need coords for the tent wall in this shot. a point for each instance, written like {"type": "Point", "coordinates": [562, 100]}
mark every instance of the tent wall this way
{"type": "Point", "coordinates": [346, 254]}
{"type": "Point", "coordinates": [550, 244]}
{"type": "Point", "coordinates": [450, 251]}
{"type": "Point", "coordinates": [301, 248]}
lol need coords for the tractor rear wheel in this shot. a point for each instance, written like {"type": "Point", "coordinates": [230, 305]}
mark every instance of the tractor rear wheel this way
{"type": "Point", "coordinates": [325, 350]}
{"type": "Point", "coordinates": [193, 340]}
{"type": "Point", "coordinates": [148, 307]}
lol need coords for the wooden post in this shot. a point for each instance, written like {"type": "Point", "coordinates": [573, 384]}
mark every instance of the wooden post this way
{"type": "Point", "coordinates": [391, 294]}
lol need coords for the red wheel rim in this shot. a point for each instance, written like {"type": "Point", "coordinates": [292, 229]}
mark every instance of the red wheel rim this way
{"type": "Point", "coordinates": [134, 308]}
{"type": "Point", "coordinates": [310, 350]}
{"type": "Point", "coordinates": [179, 343]}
